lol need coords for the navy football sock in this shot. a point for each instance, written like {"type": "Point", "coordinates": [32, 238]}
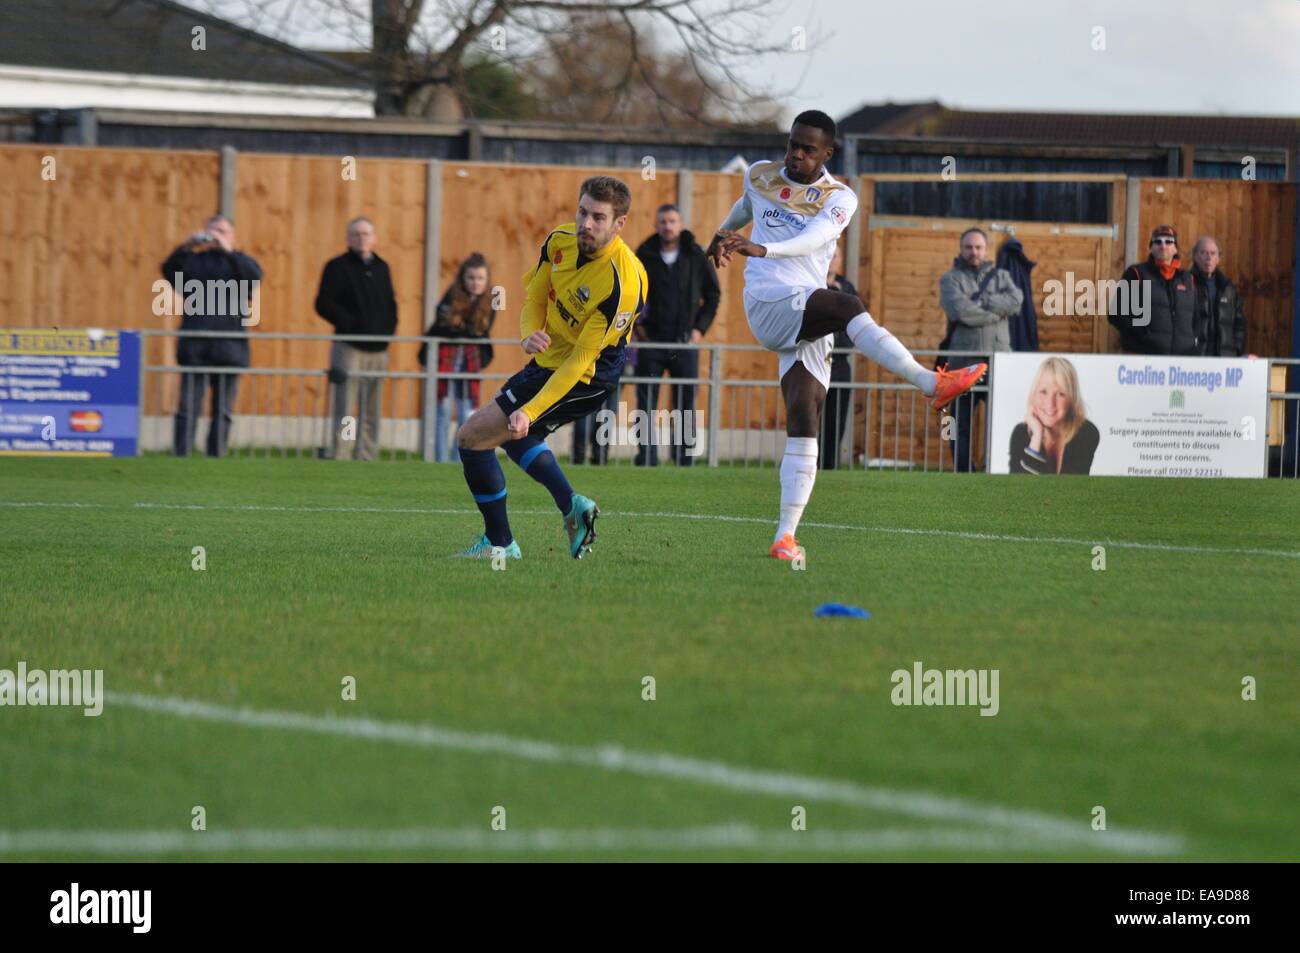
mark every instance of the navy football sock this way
{"type": "Point", "coordinates": [535, 458]}
{"type": "Point", "coordinates": [488, 484]}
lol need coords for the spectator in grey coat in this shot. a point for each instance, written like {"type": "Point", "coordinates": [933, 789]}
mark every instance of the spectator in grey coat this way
{"type": "Point", "coordinates": [979, 298]}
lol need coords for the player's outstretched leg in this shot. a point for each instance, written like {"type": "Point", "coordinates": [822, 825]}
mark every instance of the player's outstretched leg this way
{"type": "Point", "coordinates": [535, 458]}
{"type": "Point", "coordinates": [829, 311]}
{"type": "Point", "coordinates": [479, 438]}
{"type": "Point", "coordinates": [805, 397]}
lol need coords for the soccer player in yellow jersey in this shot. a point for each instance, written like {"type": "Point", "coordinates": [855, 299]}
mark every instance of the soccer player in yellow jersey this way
{"type": "Point", "coordinates": [584, 296]}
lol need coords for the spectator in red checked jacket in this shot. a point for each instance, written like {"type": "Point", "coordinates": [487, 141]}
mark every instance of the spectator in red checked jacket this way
{"type": "Point", "coordinates": [465, 314]}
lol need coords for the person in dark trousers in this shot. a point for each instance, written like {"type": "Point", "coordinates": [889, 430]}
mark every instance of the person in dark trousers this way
{"type": "Point", "coordinates": [1155, 308]}
{"type": "Point", "coordinates": [838, 400]}
{"type": "Point", "coordinates": [219, 286]}
{"type": "Point", "coordinates": [1220, 322]}
{"type": "Point", "coordinates": [681, 305]}
{"type": "Point", "coordinates": [356, 297]}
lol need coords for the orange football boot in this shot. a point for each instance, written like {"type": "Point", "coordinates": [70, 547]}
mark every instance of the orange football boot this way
{"type": "Point", "coordinates": [787, 548]}
{"type": "Point", "coordinates": [952, 384]}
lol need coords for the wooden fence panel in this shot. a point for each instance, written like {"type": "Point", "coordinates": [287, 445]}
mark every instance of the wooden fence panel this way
{"type": "Point", "coordinates": [291, 214]}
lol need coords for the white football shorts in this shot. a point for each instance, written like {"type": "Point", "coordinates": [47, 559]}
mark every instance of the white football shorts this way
{"type": "Point", "coordinates": [775, 325]}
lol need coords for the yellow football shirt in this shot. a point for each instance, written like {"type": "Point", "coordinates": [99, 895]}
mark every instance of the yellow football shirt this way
{"type": "Point", "coordinates": [587, 304]}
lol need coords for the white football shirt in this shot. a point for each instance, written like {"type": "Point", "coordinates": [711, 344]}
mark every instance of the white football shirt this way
{"type": "Point", "coordinates": [798, 224]}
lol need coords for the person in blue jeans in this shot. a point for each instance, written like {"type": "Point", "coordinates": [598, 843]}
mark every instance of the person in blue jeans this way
{"type": "Point", "coordinates": [464, 315]}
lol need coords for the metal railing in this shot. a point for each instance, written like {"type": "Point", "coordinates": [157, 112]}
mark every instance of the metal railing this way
{"type": "Point", "coordinates": [888, 424]}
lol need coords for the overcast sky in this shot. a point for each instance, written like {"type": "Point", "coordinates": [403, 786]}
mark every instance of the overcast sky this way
{"type": "Point", "coordinates": [1191, 56]}
{"type": "Point", "coordinates": [1170, 56]}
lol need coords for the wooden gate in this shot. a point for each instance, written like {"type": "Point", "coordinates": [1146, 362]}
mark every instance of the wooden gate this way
{"type": "Point", "coordinates": [908, 256]}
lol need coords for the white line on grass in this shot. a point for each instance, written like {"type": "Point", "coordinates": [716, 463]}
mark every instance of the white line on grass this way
{"type": "Point", "coordinates": [718, 837]}
{"type": "Point", "coordinates": [896, 530]}
{"type": "Point", "coordinates": [932, 807]}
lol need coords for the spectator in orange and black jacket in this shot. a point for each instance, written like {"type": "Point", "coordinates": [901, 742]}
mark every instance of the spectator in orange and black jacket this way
{"type": "Point", "coordinates": [1160, 313]}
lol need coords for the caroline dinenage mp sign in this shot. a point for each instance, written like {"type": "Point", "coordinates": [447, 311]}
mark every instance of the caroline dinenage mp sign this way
{"type": "Point", "coordinates": [1128, 415]}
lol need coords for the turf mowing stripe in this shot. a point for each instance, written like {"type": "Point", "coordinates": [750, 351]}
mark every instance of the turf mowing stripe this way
{"type": "Point", "coordinates": [898, 530]}
{"type": "Point", "coordinates": [717, 837]}
{"type": "Point", "coordinates": [932, 807]}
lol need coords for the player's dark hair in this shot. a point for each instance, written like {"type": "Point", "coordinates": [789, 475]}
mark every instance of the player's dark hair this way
{"type": "Point", "coordinates": [817, 119]}
{"type": "Point", "coordinates": [606, 188]}
{"type": "Point", "coordinates": [667, 207]}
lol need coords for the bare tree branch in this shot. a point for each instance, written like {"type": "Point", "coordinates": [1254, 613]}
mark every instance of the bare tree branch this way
{"type": "Point", "coordinates": [420, 52]}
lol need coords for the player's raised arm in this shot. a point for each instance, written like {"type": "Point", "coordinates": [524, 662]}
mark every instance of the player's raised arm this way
{"type": "Point", "coordinates": [824, 228]}
{"type": "Point", "coordinates": [741, 214]}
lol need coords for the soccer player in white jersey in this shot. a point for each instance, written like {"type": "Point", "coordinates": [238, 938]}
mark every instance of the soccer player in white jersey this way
{"type": "Point", "coordinates": [799, 211]}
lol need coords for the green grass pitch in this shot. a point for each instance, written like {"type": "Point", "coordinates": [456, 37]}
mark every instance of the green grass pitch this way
{"type": "Point", "coordinates": [522, 689]}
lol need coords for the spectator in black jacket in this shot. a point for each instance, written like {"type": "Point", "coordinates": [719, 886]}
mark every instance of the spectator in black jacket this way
{"type": "Point", "coordinates": [219, 288]}
{"type": "Point", "coordinates": [356, 296]}
{"type": "Point", "coordinates": [680, 306]}
{"type": "Point", "coordinates": [837, 400]}
{"type": "Point", "coordinates": [1220, 318]}
{"type": "Point", "coordinates": [1159, 313]}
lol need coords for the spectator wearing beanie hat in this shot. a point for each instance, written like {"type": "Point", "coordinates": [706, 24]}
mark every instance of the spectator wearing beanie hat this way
{"type": "Point", "coordinates": [1159, 314]}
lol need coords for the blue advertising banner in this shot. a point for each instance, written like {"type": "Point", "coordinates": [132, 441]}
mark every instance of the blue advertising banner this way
{"type": "Point", "coordinates": [69, 393]}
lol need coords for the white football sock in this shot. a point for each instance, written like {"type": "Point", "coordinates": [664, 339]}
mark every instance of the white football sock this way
{"type": "Point", "coordinates": [798, 472]}
{"type": "Point", "coordinates": [888, 351]}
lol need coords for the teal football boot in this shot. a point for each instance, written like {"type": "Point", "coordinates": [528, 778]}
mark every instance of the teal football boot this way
{"type": "Point", "coordinates": [580, 524]}
{"type": "Point", "coordinates": [483, 549]}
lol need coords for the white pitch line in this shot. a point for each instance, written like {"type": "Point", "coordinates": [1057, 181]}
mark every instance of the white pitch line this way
{"type": "Point", "coordinates": [718, 837]}
{"type": "Point", "coordinates": [989, 537]}
{"type": "Point", "coordinates": [894, 530]}
{"type": "Point", "coordinates": [931, 807]}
